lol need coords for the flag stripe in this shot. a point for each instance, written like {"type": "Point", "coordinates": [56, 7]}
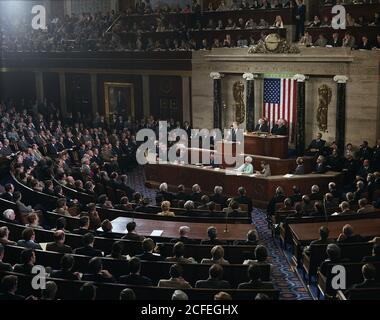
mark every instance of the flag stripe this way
{"type": "Point", "coordinates": [280, 102]}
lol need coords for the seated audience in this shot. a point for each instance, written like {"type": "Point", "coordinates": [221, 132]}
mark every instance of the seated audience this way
{"type": "Point", "coordinates": [176, 279]}
{"type": "Point", "coordinates": [254, 275]}
{"type": "Point", "coordinates": [131, 232]}
{"type": "Point", "coordinates": [97, 273]}
{"type": "Point", "coordinates": [66, 271]}
{"type": "Point", "coordinates": [88, 247]}
{"type": "Point", "coordinates": [28, 239]}
{"type": "Point", "coordinates": [59, 243]}
{"type": "Point", "coordinates": [217, 256]}
{"type": "Point", "coordinates": [179, 254]}
{"type": "Point", "coordinates": [215, 279]}
{"type": "Point", "coordinates": [212, 237]}
{"type": "Point", "coordinates": [148, 247]}
{"type": "Point", "coordinates": [348, 235]}
{"type": "Point", "coordinates": [134, 277]}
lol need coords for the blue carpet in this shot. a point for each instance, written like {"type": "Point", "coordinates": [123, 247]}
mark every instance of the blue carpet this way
{"type": "Point", "coordinates": [290, 285]}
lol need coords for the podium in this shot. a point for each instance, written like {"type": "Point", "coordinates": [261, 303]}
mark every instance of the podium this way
{"type": "Point", "coordinates": [266, 145]}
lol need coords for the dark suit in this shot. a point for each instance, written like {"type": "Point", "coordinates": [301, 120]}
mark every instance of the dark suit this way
{"type": "Point", "coordinates": [262, 128]}
{"type": "Point", "coordinates": [9, 297]}
{"type": "Point", "coordinates": [24, 268]}
{"type": "Point", "coordinates": [29, 244]}
{"type": "Point", "coordinates": [219, 199]}
{"type": "Point", "coordinates": [97, 278]}
{"type": "Point", "coordinates": [213, 242]}
{"type": "Point", "coordinates": [163, 196]}
{"type": "Point", "coordinates": [88, 251]}
{"type": "Point", "coordinates": [212, 284]}
{"type": "Point", "coordinates": [52, 246]}
{"type": "Point", "coordinates": [81, 231]}
{"type": "Point", "coordinates": [280, 131]}
{"type": "Point", "coordinates": [136, 280]}
{"type": "Point", "coordinates": [181, 196]}
{"type": "Point", "coordinates": [352, 239]}
{"type": "Point", "coordinates": [147, 256]}
{"type": "Point", "coordinates": [61, 274]}
{"type": "Point", "coordinates": [133, 236]}
{"type": "Point", "coordinates": [245, 200]}
{"type": "Point", "coordinates": [7, 196]}
{"type": "Point", "coordinates": [335, 43]}
{"type": "Point", "coordinates": [5, 266]}
{"type": "Point", "coordinates": [315, 144]}
{"type": "Point", "coordinates": [184, 240]}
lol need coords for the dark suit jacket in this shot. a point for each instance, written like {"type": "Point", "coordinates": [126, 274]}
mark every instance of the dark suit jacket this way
{"type": "Point", "coordinates": [353, 239]}
{"type": "Point", "coordinates": [9, 296]}
{"type": "Point", "coordinates": [133, 236]}
{"type": "Point", "coordinates": [97, 278]}
{"type": "Point", "coordinates": [88, 251]}
{"type": "Point", "coordinates": [219, 199]}
{"type": "Point", "coordinates": [146, 256]}
{"type": "Point", "coordinates": [29, 244]}
{"type": "Point", "coordinates": [23, 268]}
{"type": "Point", "coordinates": [136, 280]}
{"type": "Point", "coordinates": [163, 195]}
{"type": "Point", "coordinates": [181, 196]}
{"type": "Point", "coordinates": [245, 200]}
{"type": "Point", "coordinates": [5, 266]}
{"type": "Point", "coordinates": [7, 196]}
{"type": "Point", "coordinates": [60, 274]}
{"type": "Point", "coordinates": [184, 240]}
{"type": "Point", "coordinates": [52, 246]}
{"type": "Point", "coordinates": [81, 231]}
{"type": "Point", "coordinates": [283, 131]}
{"type": "Point", "coordinates": [213, 284]}
{"type": "Point", "coordinates": [262, 128]}
{"type": "Point", "coordinates": [214, 242]}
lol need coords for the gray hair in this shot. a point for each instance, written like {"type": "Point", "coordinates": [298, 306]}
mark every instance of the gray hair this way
{"type": "Point", "coordinates": [218, 189]}
{"type": "Point", "coordinates": [8, 213]}
{"type": "Point", "coordinates": [195, 188]}
{"type": "Point", "coordinates": [179, 295]}
{"type": "Point", "coordinates": [188, 205]}
{"type": "Point", "coordinates": [163, 186]}
{"type": "Point", "coordinates": [314, 189]}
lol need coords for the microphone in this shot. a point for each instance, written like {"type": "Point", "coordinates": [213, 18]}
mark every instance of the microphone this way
{"type": "Point", "coordinates": [325, 212]}
{"type": "Point", "coordinates": [226, 227]}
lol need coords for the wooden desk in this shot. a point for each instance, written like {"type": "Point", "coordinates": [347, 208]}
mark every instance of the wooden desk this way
{"type": "Point", "coordinates": [278, 166]}
{"type": "Point", "coordinates": [307, 232]}
{"type": "Point", "coordinates": [260, 189]}
{"type": "Point", "coordinates": [266, 145]}
{"type": "Point", "coordinates": [304, 233]}
{"type": "Point", "coordinates": [198, 231]}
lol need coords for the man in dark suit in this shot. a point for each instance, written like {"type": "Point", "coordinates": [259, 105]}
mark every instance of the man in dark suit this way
{"type": "Point", "coordinates": [348, 235]}
{"type": "Point", "coordinates": [300, 14]}
{"type": "Point", "coordinates": [67, 265]}
{"type": "Point", "coordinates": [254, 275]}
{"type": "Point", "coordinates": [252, 239]}
{"type": "Point", "coordinates": [97, 273]}
{"type": "Point", "coordinates": [335, 41]}
{"type": "Point", "coordinates": [8, 194]}
{"type": "Point", "coordinates": [280, 128]}
{"type": "Point", "coordinates": [88, 247]}
{"type": "Point", "coordinates": [134, 277]}
{"type": "Point", "coordinates": [183, 236]}
{"type": "Point", "coordinates": [316, 146]}
{"type": "Point", "coordinates": [215, 279]}
{"type": "Point", "coordinates": [163, 194]}
{"type": "Point", "coordinates": [181, 194]}
{"type": "Point", "coordinates": [369, 276]}
{"type": "Point", "coordinates": [59, 243]}
{"type": "Point", "coordinates": [324, 233]}
{"type": "Point", "coordinates": [320, 166]}
{"type": "Point", "coordinates": [144, 207]}
{"type": "Point", "coordinates": [261, 126]}
{"type": "Point", "coordinates": [9, 285]}
{"type": "Point", "coordinates": [52, 148]}
{"type": "Point", "coordinates": [213, 237]}
{"type": "Point", "coordinates": [218, 197]}
{"type": "Point", "coordinates": [132, 235]}
{"type": "Point", "coordinates": [375, 255]}
{"type": "Point", "coordinates": [365, 152]}
{"type": "Point", "coordinates": [296, 196]}
{"type": "Point", "coordinates": [148, 246]}
{"type": "Point", "coordinates": [316, 194]}
{"type": "Point", "coordinates": [84, 224]}
{"type": "Point", "coordinates": [243, 199]}
{"type": "Point", "coordinates": [4, 266]}
{"type": "Point", "coordinates": [27, 259]}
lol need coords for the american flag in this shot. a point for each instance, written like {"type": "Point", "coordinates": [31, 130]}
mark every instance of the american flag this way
{"type": "Point", "coordinates": [280, 102]}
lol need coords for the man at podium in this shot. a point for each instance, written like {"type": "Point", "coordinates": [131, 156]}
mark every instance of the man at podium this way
{"type": "Point", "coordinates": [261, 126]}
{"type": "Point", "coordinates": [280, 129]}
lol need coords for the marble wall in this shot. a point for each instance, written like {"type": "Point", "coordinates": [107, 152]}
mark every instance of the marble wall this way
{"type": "Point", "coordinates": [319, 64]}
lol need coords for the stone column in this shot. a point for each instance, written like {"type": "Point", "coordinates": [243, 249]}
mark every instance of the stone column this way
{"type": "Point", "coordinates": [186, 99]}
{"type": "Point", "coordinates": [250, 100]}
{"type": "Point", "coordinates": [146, 95]}
{"type": "Point", "coordinates": [340, 132]}
{"type": "Point", "coordinates": [217, 104]}
{"type": "Point", "coordinates": [300, 124]}
{"type": "Point", "coordinates": [94, 93]}
{"type": "Point", "coordinates": [62, 90]}
{"type": "Point", "coordinates": [39, 86]}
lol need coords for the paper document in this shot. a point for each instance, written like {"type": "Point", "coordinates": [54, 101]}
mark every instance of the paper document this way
{"type": "Point", "coordinates": [157, 233]}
